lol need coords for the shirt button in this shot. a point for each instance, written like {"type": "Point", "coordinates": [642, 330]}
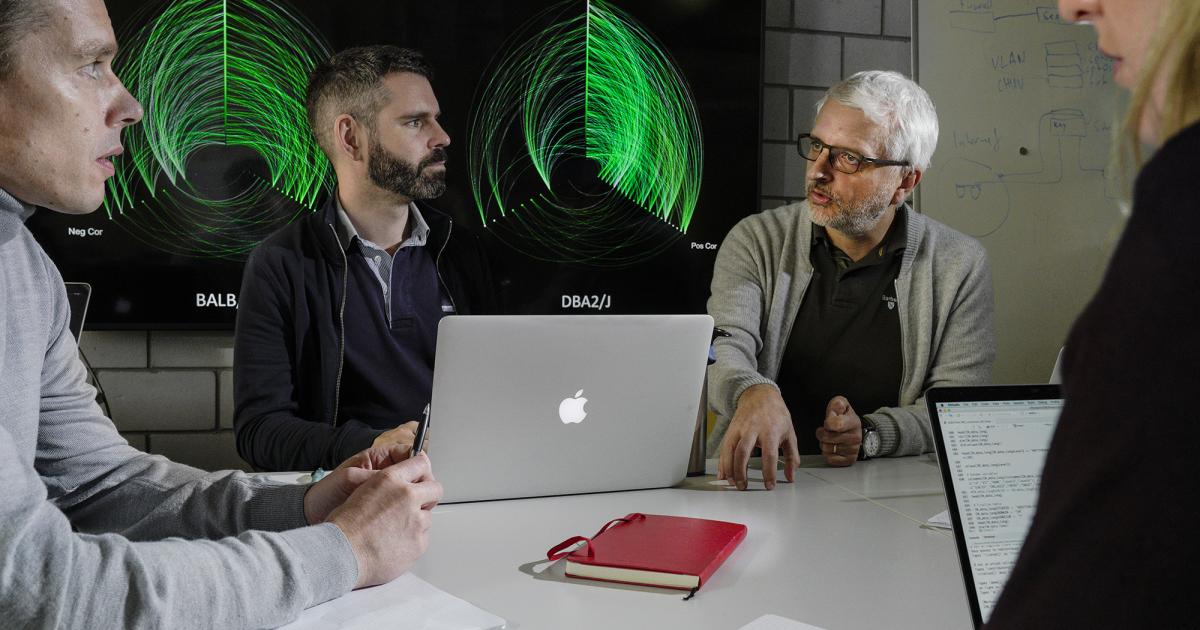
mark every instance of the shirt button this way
{"type": "Point", "coordinates": [378, 259]}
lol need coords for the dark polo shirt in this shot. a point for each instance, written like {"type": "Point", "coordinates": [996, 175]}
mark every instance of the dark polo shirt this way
{"type": "Point", "coordinates": [846, 337]}
{"type": "Point", "coordinates": [393, 306]}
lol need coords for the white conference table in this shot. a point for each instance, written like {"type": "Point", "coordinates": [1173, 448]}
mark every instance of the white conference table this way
{"type": "Point", "coordinates": [842, 549]}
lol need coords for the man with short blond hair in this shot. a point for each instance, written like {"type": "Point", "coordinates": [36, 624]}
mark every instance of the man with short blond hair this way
{"type": "Point", "coordinates": [93, 532]}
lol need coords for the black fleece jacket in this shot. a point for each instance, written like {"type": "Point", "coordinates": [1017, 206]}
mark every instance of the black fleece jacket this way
{"type": "Point", "coordinates": [290, 338]}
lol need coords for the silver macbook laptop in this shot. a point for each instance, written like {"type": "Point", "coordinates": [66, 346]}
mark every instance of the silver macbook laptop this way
{"type": "Point", "coordinates": [991, 445]}
{"type": "Point", "coordinates": [533, 405]}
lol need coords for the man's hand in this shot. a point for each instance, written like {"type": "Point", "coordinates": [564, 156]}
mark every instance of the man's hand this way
{"type": "Point", "coordinates": [387, 519]}
{"type": "Point", "coordinates": [327, 494]}
{"type": "Point", "coordinates": [761, 419]}
{"type": "Point", "coordinates": [404, 435]}
{"type": "Point", "coordinates": [841, 435]}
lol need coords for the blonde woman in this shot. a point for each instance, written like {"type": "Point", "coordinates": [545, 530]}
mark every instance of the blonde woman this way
{"type": "Point", "coordinates": [1115, 537]}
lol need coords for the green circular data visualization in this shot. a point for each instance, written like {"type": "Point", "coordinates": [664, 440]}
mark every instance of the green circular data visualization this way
{"type": "Point", "coordinates": [584, 145]}
{"type": "Point", "coordinates": [224, 155]}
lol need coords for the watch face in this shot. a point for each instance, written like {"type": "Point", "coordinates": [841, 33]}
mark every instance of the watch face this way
{"type": "Point", "coordinates": [871, 443]}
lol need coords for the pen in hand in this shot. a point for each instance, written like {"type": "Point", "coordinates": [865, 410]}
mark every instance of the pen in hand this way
{"type": "Point", "coordinates": [422, 429]}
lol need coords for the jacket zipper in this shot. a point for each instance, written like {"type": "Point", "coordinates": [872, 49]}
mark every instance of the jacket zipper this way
{"type": "Point", "coordinates": [337, 387]}
{"type": "Point", "coordinates": [437, 265]}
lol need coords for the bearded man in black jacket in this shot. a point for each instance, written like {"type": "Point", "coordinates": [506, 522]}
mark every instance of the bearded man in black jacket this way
{"type": "Point", "coordinates": [338, 313]}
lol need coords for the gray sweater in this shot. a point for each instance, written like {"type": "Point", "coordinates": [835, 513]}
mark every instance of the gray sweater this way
{"type": "Point", "coordinates": [946, 316]}
{"type": "Point", "coordinates": [96, 534]}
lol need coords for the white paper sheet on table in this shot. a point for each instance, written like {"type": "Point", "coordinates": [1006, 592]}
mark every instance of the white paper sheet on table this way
{"type": "Point", "coordinates": [940, 520]}
{"type": "Point", "coordinates": [751, 483]}
{"type": "Point", "coordinates": [754, 480]}
{"type": "Point", "coordinates": [406, 602]}
{"type": "Point", "coordinates": [284, 477]}
{"type": "Point", "coordinates": [775, 622]}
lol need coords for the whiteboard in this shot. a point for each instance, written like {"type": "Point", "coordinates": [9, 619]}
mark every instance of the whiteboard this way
{"type": "Point", "coordinates": [1027, 106]}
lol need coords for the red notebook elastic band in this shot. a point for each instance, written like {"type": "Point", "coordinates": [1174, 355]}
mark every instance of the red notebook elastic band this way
{"type": "Point", "coordinates": [561, 549]}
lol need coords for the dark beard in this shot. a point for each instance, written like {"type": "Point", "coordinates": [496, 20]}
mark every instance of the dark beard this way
{"type": "Point", "coordinates": [393, 174]}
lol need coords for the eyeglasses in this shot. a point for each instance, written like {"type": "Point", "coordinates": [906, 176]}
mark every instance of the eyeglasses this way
{"type": "Point", "coordinates": [843, 160]}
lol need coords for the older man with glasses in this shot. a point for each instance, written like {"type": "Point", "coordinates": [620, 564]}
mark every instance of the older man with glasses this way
{"type": "Point", "coordinates": [844, 308]}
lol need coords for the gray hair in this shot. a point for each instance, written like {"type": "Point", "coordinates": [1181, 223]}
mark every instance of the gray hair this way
{"type": "Point", "coordinates": [18, 18]}
{"type": "Point", "coordinates": [897, 104]}
{"type": "Point", "coordinates": [351, 82]}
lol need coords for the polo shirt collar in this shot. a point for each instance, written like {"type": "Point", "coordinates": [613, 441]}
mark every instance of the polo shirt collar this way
{"type": "Point", "coordinates": [895, 241]}
{"type": "Point", "coordinates": [418, 235]}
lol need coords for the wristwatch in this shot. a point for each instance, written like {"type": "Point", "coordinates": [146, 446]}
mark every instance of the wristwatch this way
{"type": "Point", "coordinates": [871, 441]}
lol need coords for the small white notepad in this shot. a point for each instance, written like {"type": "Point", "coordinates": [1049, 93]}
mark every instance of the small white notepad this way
{"type": "Point", "coordinates": [405, 602]}
{"type": "Point", "coordinates": [775, 622]}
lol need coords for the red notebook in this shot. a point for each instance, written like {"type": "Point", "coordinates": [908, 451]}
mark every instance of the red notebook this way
{"type": "Point", "coordinates": [654, 550]}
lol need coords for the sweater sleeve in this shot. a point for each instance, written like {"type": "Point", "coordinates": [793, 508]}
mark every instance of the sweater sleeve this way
{"type": "Point", "coordinates": [963, 354]}
{"type": "Point", "coordinates": [53, 576]}
{"type": "Point", "coordinates": [94, 533]}
{"type": "Point", "coordinates": [737, 304]}
{"type": "Point", "coordinates": [271, 432]}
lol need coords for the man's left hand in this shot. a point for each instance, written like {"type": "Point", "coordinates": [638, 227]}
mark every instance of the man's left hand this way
{"type": "Point", "coordinates": [841, 435]}
{"type": "Point", "coordinates": [327, 494]}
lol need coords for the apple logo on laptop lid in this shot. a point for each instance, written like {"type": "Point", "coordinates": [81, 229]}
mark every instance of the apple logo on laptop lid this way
{"type": "Point", "coordinates": [570, 410]}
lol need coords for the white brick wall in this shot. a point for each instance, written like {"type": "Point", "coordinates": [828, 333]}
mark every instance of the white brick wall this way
{"type": "Point", "coordinates": [167, 400]}
{"type": "Point", "coordinates": [897, 18]}
{"type": "Point", "coordinates": [225, 398]}
{"type": "Point", "coordinates": [849, 16]}
{"type": "Point", "coordinates": [803, 102]}
{"type": "Point", "coordinates": [169, 390]}
{"type": "Point", "coordinates": [783, 171]}
{"type": "Point", "coordinates": [108, 349]}
{"type": "Point", "coordinates": [876, 54]}
{"type": "Point", "coordinates": [779, 13]}
{"type": "Point", "coordinates": [775, 113]}
{"type": "Point", "coordinates": [210, 451]}
{"type": "Point", "coordinates": [808, 46]}
{"type": "Point", "coordinates": [172, 392]}
{"type": "Point", "coordinates": [802, 58]}
{"type": "Point", "coordinates": [191, 349]}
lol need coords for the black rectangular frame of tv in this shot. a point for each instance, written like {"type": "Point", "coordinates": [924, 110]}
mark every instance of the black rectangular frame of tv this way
{"type": "Point", "coordinates": [130, 277]}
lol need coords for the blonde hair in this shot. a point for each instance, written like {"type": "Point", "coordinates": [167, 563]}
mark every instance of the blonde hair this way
{"type": "Point", "coordinates": [1173, 62]}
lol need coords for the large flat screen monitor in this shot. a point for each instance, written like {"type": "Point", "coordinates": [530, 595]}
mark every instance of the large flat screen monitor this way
{"type": "Point", "coordinates": [601, 148]}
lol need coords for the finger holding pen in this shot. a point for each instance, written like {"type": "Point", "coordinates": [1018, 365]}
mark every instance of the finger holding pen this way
{"type": "Point", "coordinates": [402, 435]}
{"type": "Point", "coordinates": [420, 441]}
{"type": "Point", "coordinates": [386, 519]}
